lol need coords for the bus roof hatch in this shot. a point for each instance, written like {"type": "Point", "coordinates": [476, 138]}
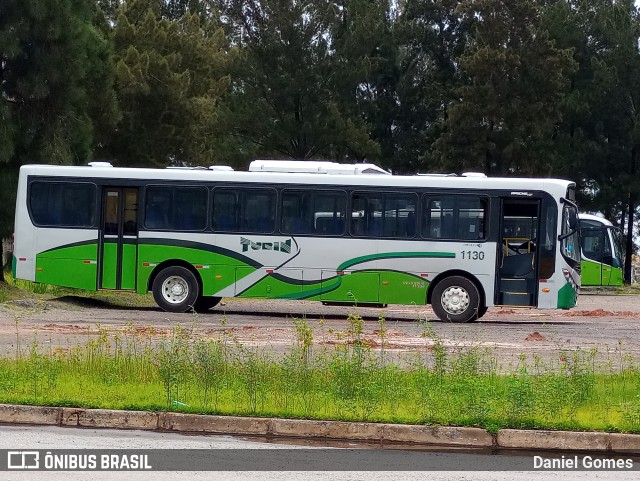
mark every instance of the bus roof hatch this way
{"type": "Point", "coordinates": [314, 167]}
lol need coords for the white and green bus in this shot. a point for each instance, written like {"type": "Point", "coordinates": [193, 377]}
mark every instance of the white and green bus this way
{"type": "Point", "coordinates": [300, 230]}
{"type": "Point", "coordinates": [602, 253]}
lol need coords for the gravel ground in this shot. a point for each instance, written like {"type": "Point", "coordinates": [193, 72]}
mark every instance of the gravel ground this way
{"type": "Point", "coordinates": [604, 324]}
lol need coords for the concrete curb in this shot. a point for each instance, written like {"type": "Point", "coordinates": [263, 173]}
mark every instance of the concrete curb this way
{"type": "Point", "coordinates": [304, 428]}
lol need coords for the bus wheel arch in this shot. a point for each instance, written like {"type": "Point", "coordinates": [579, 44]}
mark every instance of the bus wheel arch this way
{"type": "Point", "coordinates": [457, 296]}
{"type": "Point", "coordinates": [176, 286]}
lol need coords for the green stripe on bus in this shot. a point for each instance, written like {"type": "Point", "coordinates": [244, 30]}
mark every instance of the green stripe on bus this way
{"type": "Point", "coordinates": [567, 297]}
{"type": "Point", "coordinates": [395, 255]}
{"type": "Point", "coordinates": [200, 247]}
{"type": "Point", "coordinates": [386, 286]}
{"type": "Point", "coordinates": [73, 265]}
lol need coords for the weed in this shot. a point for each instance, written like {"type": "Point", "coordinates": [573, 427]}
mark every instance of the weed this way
{"type": "Point", "coordinates": [347, 382]}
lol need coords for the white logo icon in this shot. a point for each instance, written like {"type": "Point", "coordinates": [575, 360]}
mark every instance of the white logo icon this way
{"type": "Point", "coordinates": [23, 460]}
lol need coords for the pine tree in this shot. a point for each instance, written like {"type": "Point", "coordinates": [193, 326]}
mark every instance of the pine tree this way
{"type": "Point", "coordinates": [295, 82]}
{"type": "Point", "coordinates": [431, 37]}
{"type": "Point", "coordinates": [169, 77]}
{"type": "Point", "coordinates": [55, 87]}
{"type": "Point", "coordinates": [513, 80]}
{"type": "Point", "coordinates": [598, 139]}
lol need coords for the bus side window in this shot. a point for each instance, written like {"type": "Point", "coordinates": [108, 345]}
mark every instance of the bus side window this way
{"type": "Point", "coordinates": [328, 212]}
{"type": "Point", "coordinates": [225, 209]}
{"type": "Point", "coordinates": [411, 224]}
{"type": "Point", "coordinates": [63, 204]}
{"type": "Point", "coordinates": [258, 211]}
{"type": "Point", "coordinates": [459, 217]}
{"type": "Point", "coordinates": [447, 226]}
{"type": "Point", "coordinates": [157, 203]}
{"type": "Point", "coordinates": [190, 208]}
{"type": "Point", "coordinates": [295, 212]}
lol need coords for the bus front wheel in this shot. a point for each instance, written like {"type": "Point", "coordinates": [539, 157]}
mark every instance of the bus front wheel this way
{"type": "Point", "coordinates": [456, 299]}
{"type": "Point", "coordinates": [175, 289]}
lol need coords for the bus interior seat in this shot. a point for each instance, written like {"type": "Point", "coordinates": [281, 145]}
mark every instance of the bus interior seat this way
{"type": "Point", "coordinates": [357, 226]}
{"type": "Point", "coordinates": [264, 225]}
{"type": "Point", "coordinates": [225, 223]}
{"type": "Point", "coordinates": [518, 266]}
{"type": "Point", "coordinates": [374, 228]}
{"type": "Point", "coordinates": [330, 225]}
{"type": "Point", "coordinates": [447, 227]}
{"type": "Point", "coordinates": [154, 217]}
{"type": "Point", "coordinates": [411, 224]}
{"type": "Point", "coordinates": [299, 226]}
{"type": "Point", "coordinates": [336, 226]}
{"type": "Point", "coordinates": [469, 229]}
{"type": "Point", "coordinates": [188, 222]}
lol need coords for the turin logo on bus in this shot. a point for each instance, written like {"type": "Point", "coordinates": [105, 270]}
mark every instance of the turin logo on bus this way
{"type": "Point", "coordinates": [265, 246]}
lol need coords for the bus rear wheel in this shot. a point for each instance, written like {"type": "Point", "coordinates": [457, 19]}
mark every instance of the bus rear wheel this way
{"type": "Point", "coordinates": [456, 299]}
{"type": "Point", "coordinates": [175, 289]}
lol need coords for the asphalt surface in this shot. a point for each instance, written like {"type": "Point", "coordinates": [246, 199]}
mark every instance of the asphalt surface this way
{"type": "Point", "coordinates": [463, 465]}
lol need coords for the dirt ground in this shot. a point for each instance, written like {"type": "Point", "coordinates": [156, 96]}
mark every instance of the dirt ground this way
{"type": "Point", "coordinates": [603, 324]}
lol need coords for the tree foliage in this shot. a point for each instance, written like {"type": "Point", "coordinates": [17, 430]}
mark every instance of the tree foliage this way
{"type": "Point", "coordinates": [513, 78]}
{"type": "Point", "coordinates": [55, 81]}
{"type": "Point", "coordinates": [295, 82]}
{"type": "Point", "coordinates": [170, 74]}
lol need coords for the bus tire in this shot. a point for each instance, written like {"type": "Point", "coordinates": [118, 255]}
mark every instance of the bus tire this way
{"type": "Point", "coordinates": [204, 303]}
{"type": "Point", "coordinates": [456, 299]}
{"type": "Point", "coordinates": [176, 289]}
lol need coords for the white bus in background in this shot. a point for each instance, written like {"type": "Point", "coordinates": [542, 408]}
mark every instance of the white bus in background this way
{"type": "Point", "coordinates": [301, 230]}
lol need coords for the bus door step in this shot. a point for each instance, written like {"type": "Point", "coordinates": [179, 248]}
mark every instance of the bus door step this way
{"type": "Point", "coordinates": [515, 292]}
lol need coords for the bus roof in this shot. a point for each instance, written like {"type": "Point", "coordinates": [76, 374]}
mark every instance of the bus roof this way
{"type": "Point", "coordinates": [103, 170]}
{"type": "Point", "coordinates": [596, 218]}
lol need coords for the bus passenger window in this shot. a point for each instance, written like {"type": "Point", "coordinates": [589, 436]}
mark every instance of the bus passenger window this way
{"type": "Point", "coordinates": [471, 213]}
{"type": "Point", "coordinates": [358, 226]}
{"type": "Point", "coordinates": [460, 217]}
{"type": "Point", "coordinates": [328, 212]}
{"type": "Point", "coordinates": [63, 204]}
{"type": "Point", "coordinates": [225, 211]}
{"type": "Point", "coordinates": [258, 211]}
{"type": "Point", "coordinates": [156, 208]}
{"type": "Point", "coordinates": [399, 215]}
{"type": "Point", "coordinates": [295, 212]}
{"type": "Point", "coordinates": [190, 208]}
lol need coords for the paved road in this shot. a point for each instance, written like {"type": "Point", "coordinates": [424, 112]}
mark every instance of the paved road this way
{"type": "Point", "coordinates": [607, 325]}
{"type": "Point", "coordinates": [45, 438]}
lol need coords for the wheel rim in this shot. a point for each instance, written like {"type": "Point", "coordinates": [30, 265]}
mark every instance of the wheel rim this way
{"type": "Point", "coordinates": [175, 289]}
{"type": "Point", "coordinates": [455, 300]}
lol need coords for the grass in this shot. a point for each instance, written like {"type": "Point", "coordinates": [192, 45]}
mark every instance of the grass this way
{"type": "Point", "coordinates": [625, 289]}
{"type": "Point", "coordinates": [350, 381]}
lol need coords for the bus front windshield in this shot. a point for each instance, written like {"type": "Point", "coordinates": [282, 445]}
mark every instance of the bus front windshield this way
{"type": "Point", "coordinates": [570, 237]}
{"type": "Point", "coordinates": [618, 253]}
